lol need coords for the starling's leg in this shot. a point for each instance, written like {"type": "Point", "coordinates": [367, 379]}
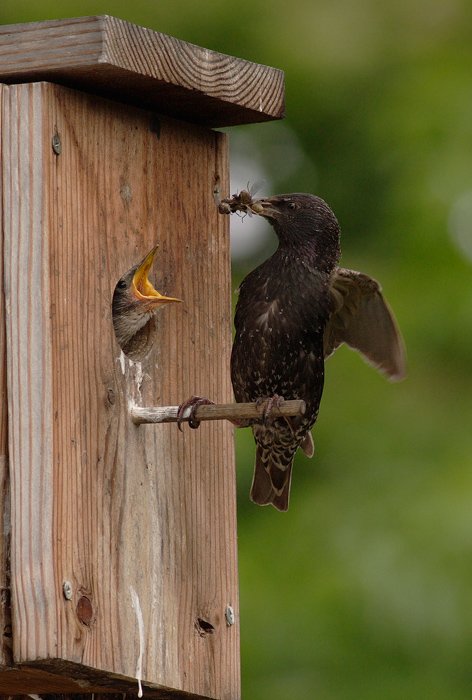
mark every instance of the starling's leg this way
{"type": "Point", "coordinates": [272, 401]}
{"type": "Point", "coordinates": [289, 423]}
{"type": "Point", "coordinates": [194, 402]}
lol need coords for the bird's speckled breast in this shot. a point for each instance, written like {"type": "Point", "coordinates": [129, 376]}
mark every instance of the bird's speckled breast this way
{"type": "Point", "coordinates": [280, 318]}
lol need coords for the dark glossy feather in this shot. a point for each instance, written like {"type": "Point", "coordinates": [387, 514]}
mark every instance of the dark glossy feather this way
{"type": "Point", "coordinates": [361, 318]}
{"type": "Point", "coordinates": [293, 311]}
{"type": "Point", "coordinates": [281, 313]}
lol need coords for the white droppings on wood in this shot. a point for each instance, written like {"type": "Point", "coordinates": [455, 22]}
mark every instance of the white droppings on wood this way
{"type": "Point", "coordinates": [123, 362]}
{"type": "Point", "coordinates": [139, 616]}
{"type": "Point", "coordinates": [138, 374]}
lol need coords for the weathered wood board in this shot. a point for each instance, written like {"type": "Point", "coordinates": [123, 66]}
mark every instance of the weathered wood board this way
{"type": "Point", "coordinates": [5, 609]}
{"type": "Point", "coordinates": [140, 520]}
{"type": "Point", "coordinates": [112, 58]}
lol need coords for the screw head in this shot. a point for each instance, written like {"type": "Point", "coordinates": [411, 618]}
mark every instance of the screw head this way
{"type": "Point", "coordinates": [229, 614]}
{"type": "Point", "coordinates": [67, 590]}
{"type": "Point", "coordinates": [56, 144]}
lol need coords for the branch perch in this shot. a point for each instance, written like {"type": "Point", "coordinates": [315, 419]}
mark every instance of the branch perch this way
{"type": "Point", "coordinates": [222, 411]}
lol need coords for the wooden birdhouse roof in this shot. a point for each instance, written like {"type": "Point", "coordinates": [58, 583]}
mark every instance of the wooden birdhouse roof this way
{"type": "Point", "coordinates": [112, 58]}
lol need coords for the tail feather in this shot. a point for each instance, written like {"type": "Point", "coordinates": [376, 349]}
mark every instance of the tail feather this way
{"type": "Point", "coordinates": [271, 482]}
{"type": "Point", "coordinates": [261, 489]}
{"type": "Point", "coordinates": [307, 445]}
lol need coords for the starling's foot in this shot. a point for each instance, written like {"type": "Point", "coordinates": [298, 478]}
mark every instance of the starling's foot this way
{"type": "Point", "coordinates": [290, 425]}
{"type": "Point", "coordinates": [193, 402]}
{"type": "Point", "coordinates": [272, 401]}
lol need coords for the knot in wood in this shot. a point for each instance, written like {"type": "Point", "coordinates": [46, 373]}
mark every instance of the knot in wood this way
{"type": "Point", "coordinates": [85, 610]}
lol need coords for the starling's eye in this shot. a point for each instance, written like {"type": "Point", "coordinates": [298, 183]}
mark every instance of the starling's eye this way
{"type": "Point", "coordinates": [121, 284]}
{"type": "Point", "coordinates": [292, 206]}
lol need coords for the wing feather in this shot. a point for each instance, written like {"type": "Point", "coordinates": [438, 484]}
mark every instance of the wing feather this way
{"type": "Point", "coordinates": [362, 318]}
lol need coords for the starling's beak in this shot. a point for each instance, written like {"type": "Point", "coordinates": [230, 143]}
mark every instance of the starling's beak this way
{"type": "Point", "coordinates": [265, 208]}
{"type": "Point", "coordinates": [143, 288]}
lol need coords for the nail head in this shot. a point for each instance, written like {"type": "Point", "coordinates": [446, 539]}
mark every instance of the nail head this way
{"type": "Point", "coordinates": [229, 614]}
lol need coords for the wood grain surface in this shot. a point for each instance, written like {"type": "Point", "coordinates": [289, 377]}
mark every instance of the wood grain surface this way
{"type": "Point", "coordinates": [112, 58]}
{"type": "Point", "coordinates": [139, 520]}
{"type": "Point", "coordinates": [5, 609]}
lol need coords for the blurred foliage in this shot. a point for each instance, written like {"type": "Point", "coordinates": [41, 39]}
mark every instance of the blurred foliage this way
{"type": "Point", "coordinates": [363, 588]}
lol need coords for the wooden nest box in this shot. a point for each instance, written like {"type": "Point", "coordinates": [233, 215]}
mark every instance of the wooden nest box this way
{"type": "Point", "coordinates": [118, 559]}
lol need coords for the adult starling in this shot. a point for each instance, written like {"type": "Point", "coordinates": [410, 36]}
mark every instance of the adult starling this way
{"type": "Point", "coordinates": [293, 311]}
{"type": "Point", "coordinates": [135, 300]}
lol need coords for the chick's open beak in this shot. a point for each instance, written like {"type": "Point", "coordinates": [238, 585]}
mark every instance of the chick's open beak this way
{"type": "Point", "coordinates": [143, 288]}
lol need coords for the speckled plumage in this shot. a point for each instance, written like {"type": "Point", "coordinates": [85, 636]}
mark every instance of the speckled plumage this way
{"type": "Point", "coordinates": [282, 310]}
{"type": "Point", "coordinates": [292, 312]}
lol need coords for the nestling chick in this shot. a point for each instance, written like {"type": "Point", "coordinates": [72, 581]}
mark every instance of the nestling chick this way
{"type": "Point", "coordinates": [135, 300]}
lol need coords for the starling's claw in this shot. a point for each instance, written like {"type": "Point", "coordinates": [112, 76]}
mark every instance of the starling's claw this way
{"type": "Point", "coordinates": [194, 402]}
{"type": "Point", "coordinates": [272, 401]}
{"type": "Point", "coordinates": [290, 424]}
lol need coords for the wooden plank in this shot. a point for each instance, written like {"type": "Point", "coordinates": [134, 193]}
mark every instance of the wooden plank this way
{"type": "Point", "coordinates": [112, 58]}
{"type": "Point", "coordinates": [141, 522]}
{"type": "Point", "coordinates": [5, 611]}
{"type": "Point", "coordinates": [78, 683]}
{"type": "Point", "coordinates": [29, 378]}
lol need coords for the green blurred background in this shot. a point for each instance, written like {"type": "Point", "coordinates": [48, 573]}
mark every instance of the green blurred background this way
{"type": "Point", "coordinates": [364, 588]}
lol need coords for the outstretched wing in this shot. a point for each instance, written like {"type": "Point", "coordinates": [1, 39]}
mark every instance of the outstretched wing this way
{"type": "Point", "coordinates": [361, 317]}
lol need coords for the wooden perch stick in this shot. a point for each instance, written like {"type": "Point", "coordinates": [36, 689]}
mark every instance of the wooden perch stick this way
{"type": "Point", "coordinates": [222, 411]}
